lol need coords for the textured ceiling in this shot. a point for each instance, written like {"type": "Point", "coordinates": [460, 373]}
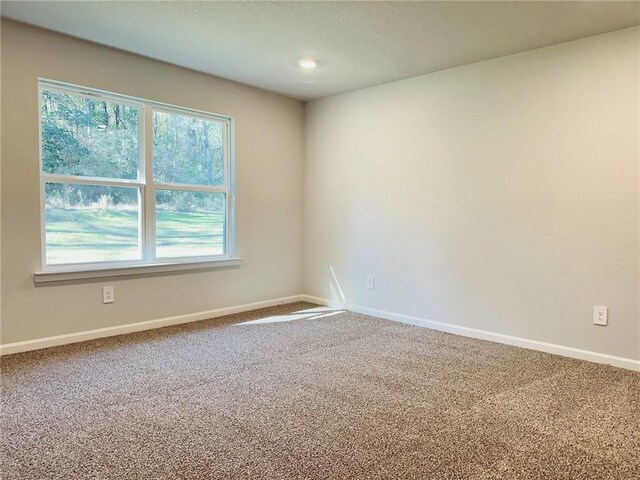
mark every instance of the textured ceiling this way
{"type": "Point", "coordinates": [358, 44]}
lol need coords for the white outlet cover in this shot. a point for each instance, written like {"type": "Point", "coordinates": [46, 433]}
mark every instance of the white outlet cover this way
{"type": "Point", "coordinates": [107, 294]}
{"type": "Point", "coordinates": [600, 315]}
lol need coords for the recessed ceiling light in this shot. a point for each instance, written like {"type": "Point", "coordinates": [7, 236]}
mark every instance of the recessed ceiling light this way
{"type": "Point", "coordinates": [308, 63]}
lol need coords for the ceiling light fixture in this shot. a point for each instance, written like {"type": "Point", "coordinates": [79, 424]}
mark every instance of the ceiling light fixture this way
{"type": "Point", "coordinates": [308, 63]}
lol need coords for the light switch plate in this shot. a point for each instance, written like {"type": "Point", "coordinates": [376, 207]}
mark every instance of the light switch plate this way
{"type": "Point", "coordinates": [370, 282]}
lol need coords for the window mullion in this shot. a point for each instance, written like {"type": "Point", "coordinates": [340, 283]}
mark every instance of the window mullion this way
{"type": "Point", "coordinates": [149, 188]}
{"type": "Point", "coordinates": [230, 181]}
{"type": "Point", "coordinates": [77, 180]}
{"type": "Point", "coordinates": [190, 188]}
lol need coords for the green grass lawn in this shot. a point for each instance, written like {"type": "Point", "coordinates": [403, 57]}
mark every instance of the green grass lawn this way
{"type": "Point", "coordinates": [77, 235]}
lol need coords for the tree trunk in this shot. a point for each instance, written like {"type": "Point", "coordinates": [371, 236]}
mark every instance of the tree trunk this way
{"type": "Point", "coordinates": [89, 103]}
{"type": "Point", "coordinates": [106, 113]}
{"type": "Point", "coordinates": [207, 152]}
{"type": "Point", "coordinates": [174, 152]}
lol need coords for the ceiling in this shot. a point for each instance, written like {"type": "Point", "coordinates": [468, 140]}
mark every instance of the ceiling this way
{"type": "Point", "coordinates": [358, 44]}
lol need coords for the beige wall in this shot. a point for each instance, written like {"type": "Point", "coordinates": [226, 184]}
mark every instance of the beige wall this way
{"type": "Point", "coordinates": [269, 153]}
{"type": "Point", "coordinates": [502, 195]}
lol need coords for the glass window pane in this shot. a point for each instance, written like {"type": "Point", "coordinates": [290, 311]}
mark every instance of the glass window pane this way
{"type": "Point", "coordinates": [88, 137]}
{"type": "Point", "coordinates": [187, 150]}
{"type": "Point", "coordinates": [87, 223]}
{"type": "Point", "coordinates": [189, 224]}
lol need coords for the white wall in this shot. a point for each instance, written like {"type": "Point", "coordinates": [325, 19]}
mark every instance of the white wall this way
{"type": "Point", "coordinates": [269, 161]}
{"type": "Point", "coordinates": [502, 195]}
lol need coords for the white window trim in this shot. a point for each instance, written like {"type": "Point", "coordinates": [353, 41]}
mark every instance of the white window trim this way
{"type": "Point", "coordinates": [149, 263]}
{"type": "Point", "coordinates": [124, 270]}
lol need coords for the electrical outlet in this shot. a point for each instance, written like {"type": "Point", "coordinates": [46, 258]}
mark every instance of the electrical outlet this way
{"type": "Point", "coordinates": [600, 315]}
{"type": "Point", "coordinates": [370, 282]}
{"type": "Point", "coordinates": [107, 295]}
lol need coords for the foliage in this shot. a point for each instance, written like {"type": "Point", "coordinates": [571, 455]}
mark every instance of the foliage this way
{"type": "Point", "coordinates": [187, 150]}
{"type": "Point", "coordinates": [87, 137]}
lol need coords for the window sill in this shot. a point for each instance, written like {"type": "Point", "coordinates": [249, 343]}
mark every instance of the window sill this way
{"type": "Point", "coordinates": [61, 276]}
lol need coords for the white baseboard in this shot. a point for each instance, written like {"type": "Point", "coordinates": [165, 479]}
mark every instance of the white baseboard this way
{"type": "Point", "coordinates": [553, 348]}
{"type": "Point", "coordinates": [317, 300]}
{"type": "Point", "coordinates": [562, 350]}
{"type": "Point", "coordinates": [46, 342]}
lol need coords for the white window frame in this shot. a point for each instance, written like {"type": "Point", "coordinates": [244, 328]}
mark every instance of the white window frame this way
{"type": "Point", "coordinates": [146, 188]}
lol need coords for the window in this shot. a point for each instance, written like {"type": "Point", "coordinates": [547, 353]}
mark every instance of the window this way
{"type": "Point", "coordinates": [128, 182]}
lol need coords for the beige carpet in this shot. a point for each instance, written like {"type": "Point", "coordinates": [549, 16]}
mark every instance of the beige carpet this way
{"type": "Point", "coordinates": [313, 396]}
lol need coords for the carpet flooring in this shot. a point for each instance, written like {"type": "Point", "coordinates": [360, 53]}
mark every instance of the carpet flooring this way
{"type": "Point", "coordinates": [304, 392]}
